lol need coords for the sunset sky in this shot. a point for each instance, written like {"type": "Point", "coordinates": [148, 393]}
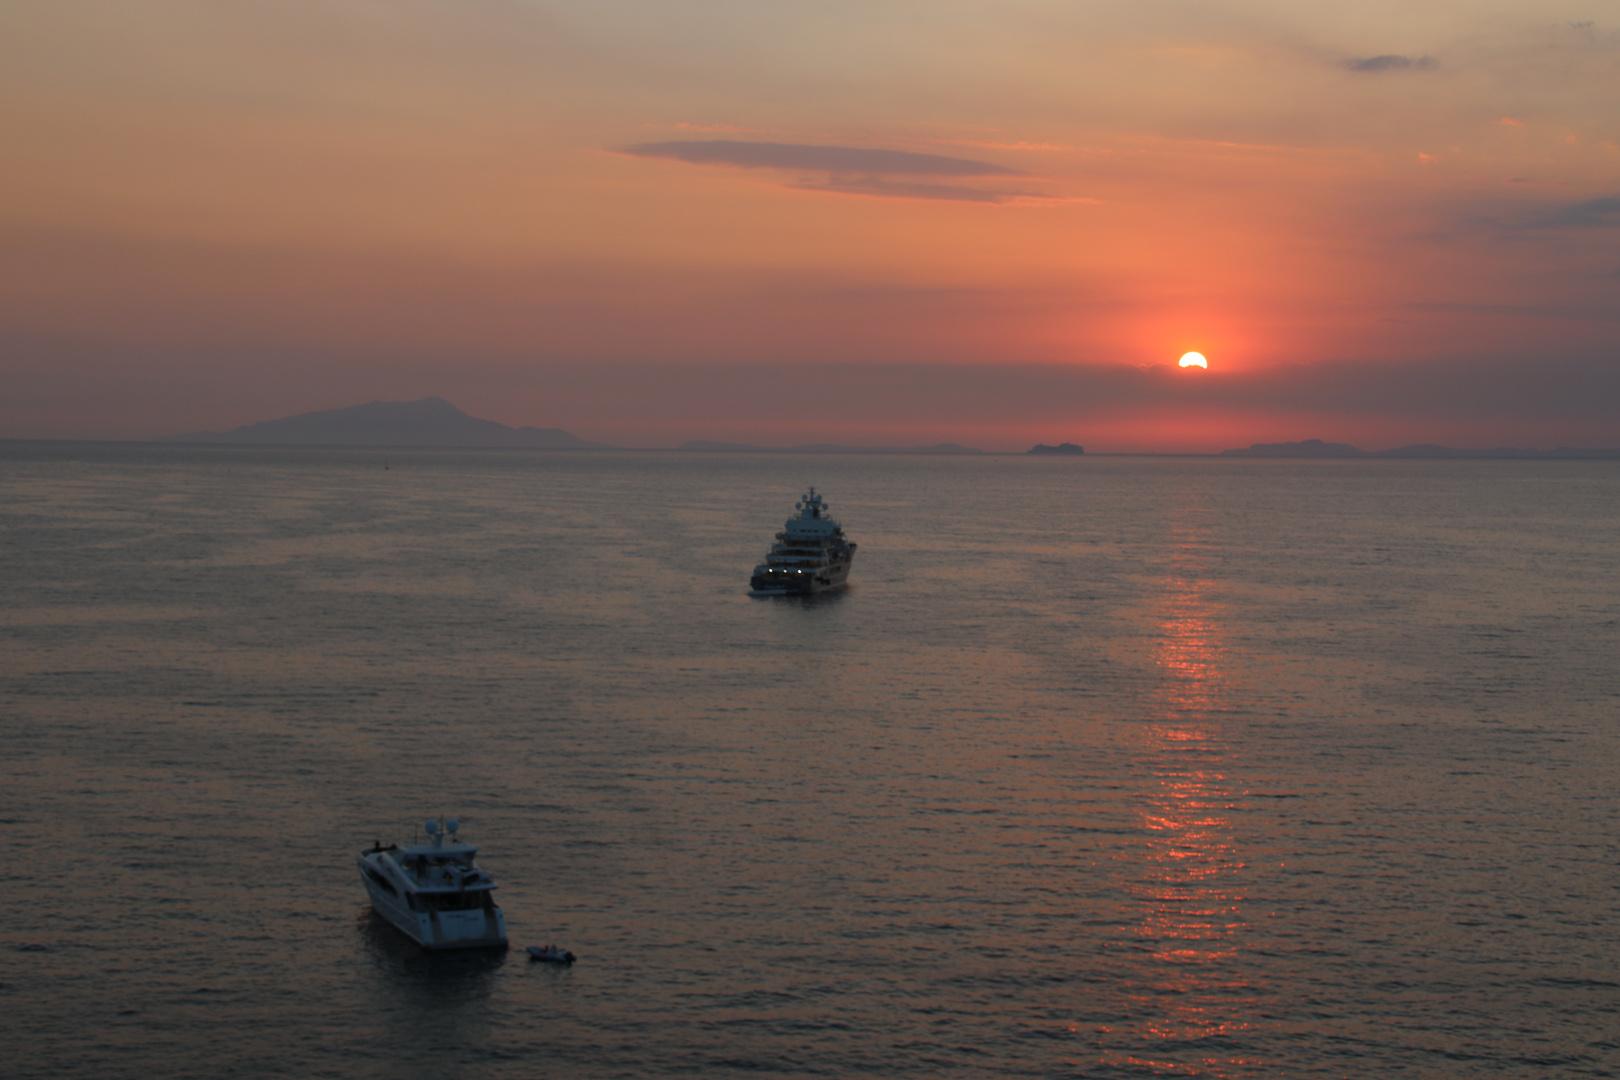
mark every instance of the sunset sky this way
{"type": "Point", "coordinates": [875, 222]}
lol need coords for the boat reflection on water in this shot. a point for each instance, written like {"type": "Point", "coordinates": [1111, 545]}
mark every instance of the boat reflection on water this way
{"type": "Point", "coordinates": [422, 976]}
{"type": "Point", "coordinates": [1187, 889]}
{"type": "Point", "coordinates": [825, 599]}
{"type": "Point", "coordinates": [436, 1009]}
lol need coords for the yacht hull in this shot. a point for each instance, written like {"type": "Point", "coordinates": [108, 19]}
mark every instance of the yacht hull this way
{"type": "Point", "coordinates": [798, 584]}
{"type": "Point", "coordinates": [480, 928]}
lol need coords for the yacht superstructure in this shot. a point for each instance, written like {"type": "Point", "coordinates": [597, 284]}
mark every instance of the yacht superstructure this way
{"type": "Point", "coordinates": [811, 554]}
{"type": "Point", "coordinates": [434, 893]}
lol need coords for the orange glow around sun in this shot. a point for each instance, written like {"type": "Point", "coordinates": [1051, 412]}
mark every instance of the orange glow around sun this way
{"type": "Point", "coordinates": [1193, 359]}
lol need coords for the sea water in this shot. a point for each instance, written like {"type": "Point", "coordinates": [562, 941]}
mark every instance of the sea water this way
{"type": "Point", "coordinates": [1102, 767]}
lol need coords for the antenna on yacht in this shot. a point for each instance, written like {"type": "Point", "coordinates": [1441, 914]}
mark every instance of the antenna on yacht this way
{"type": "Point", "coordinates": [452, 826]}
{"type": "Point", "coordinates": [432, 828]}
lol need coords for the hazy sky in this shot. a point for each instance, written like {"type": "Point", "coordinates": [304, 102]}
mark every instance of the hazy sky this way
{"type": "Point", "coordinates": [783, 222]}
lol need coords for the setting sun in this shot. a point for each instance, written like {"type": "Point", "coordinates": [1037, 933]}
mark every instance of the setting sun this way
{"type": "Point", "coordinates": [1193, 359]}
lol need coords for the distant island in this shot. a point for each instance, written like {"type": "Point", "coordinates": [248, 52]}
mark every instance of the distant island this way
{"type": "Point", "coordinates": [431, 421]}
{"type": "Point", "coordinates": [824, 448]}
{"type": "Point", "coordinates": [434, 422]}
{"type": "Point", "coordinates": [1316, 448]}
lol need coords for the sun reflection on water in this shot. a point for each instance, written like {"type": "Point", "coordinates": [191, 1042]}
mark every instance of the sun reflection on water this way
{"type": "Point", "coordinates": [1186, 893]}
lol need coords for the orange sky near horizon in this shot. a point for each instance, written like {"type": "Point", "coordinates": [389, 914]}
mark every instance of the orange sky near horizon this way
{"type": "Point", "coordinates": [215, 213]}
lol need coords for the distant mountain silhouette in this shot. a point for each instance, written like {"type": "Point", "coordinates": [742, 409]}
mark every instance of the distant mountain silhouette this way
{"type": "Point", "coordinates": [1316, 448]}
{"type": "Point", "coordinates": [1500, 453]}
{"type": "Point", "coordinates": [1313, 448]}
{"type": "Point", "coordinates": [430, 422]}
{"type": "Point", "coordinates": [827, 448]}
{"type": "Point", "coordinates": [1060, 448]}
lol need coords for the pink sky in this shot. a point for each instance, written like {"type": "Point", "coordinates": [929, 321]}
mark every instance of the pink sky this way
{"type": "Point", "coordinates": [875, 223]}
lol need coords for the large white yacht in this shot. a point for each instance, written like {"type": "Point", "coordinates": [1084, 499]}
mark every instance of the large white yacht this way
{"type": "Point", "coordinates": [434, 892]}
{"type": "Point", "coordinates": [810, 555]}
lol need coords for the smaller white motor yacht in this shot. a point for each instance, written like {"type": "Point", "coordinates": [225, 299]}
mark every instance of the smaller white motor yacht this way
{"type": "Point", "coordinates": [434, 893]}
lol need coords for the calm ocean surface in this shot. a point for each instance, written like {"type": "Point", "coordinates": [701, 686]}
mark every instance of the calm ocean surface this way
{"type": "Point", "coordinates": [1108, 767]}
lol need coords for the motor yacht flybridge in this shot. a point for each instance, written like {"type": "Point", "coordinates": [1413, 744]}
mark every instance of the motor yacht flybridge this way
{"type": "Point", "coordinates": [811, 554]}
{"type": "Point", "coordinates": [434, 892]}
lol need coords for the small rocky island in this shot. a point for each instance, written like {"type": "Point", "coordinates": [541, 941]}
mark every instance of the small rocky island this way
{"type": "Point", "coordinates": [1060, 448]}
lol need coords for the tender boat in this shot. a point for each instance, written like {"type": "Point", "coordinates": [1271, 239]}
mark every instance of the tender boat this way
{"type": "Point", "coordinates": [551, 955]}
{"type": "Point", "coordinates": [434, 893]}
{"type": "Point", "coordinates": [811, 554]}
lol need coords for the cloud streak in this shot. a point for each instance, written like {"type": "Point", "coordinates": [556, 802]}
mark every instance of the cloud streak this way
{"type": "Point", "coordinates": [1485, 401]}
{"type": "Point", "coordinates": [911, 189]}
{"type": "Point", "coordinates": [832, 159]}
{"type": "Point", "coordinates": [848, 170]}
{"type": "Point", "coordinates": [1546, 400]}
{"type": "Point", "coordinates": [1389, 62]}
{"type": "Point", "coordinates": [1594, 213]}
{"type": "Point", "coordinates": [1593, 313]}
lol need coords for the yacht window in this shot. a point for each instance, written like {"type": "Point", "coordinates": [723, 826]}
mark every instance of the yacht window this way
{"type": "Point", "coordinates": [382, 882]}
{"type": "Point", "coordinates": [455, 901]}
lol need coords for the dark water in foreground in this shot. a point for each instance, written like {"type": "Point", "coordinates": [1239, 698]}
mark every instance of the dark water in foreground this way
{"type": "Point", "coordinates": [1102, 767]}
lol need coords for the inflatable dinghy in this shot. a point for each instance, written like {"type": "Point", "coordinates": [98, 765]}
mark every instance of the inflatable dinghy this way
{"type": "Point", "coordinates": [551, 954]}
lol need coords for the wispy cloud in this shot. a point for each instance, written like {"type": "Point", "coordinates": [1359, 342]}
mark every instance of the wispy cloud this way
{"type": "Point", "coordinates": [835, 159]}
{"type": "Point", "coordinates": [914, 189]}
{"type": "Point", "coordinates": [1389, 62]}
{"type": "Point", "coordinates": [1484, 400]}
{"type": "Point", "coordinates": [1594, 213]}
{"type": "Point", "coordinates": [1540, 218]}
{"type": "Point", "coordinates": [987, 145]}
{"type": "Point", "coordinates": [848, 170]}
{"type": "Point", "coordinates": [1520, 311]}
